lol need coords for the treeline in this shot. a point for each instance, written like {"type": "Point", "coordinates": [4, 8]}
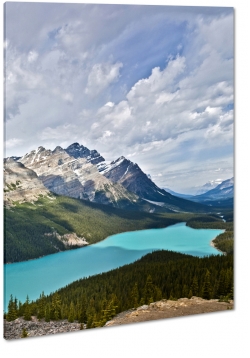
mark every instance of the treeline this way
{"type": "Point", "coordinates": [26, 224]}
{"type": "Point", "coordinates": [24, 237]}
{"type": "Point", "coordinates": [161, 274]}
{"type": "Point", "coordinates": [225, 241]}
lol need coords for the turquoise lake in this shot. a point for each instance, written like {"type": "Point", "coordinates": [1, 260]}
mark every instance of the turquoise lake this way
{"type": "Point", "coordinates": [52, 272]}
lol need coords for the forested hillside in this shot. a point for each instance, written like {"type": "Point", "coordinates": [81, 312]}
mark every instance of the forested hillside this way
{"type": "Point", "coordinates": [27, 225]}
{"type": "Point", "coordinates": [224, 241]}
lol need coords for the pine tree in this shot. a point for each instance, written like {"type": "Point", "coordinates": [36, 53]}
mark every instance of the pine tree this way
{"type": "Point", "coordinates": [195, 287]}
{"type": "Point", "coordinates": [221, 292]}
{"type": "Point", "coordinates": [134, 296]}
{"type": "Point", "coordinates": [108, 313]}
{"type": "Point", "coordinates": [71, 315]}
{"type": "Point", "coordinates": [47, 313]}
{"type": "Point", "coordinates": [149, 290]}
{"type": "Point", "coordinates": [24, 333]}
{"type": "Point", "coordinates": [83, 310]}
{"type": "Point", "coordinates": [27, 310]}
{"type": "Point", "coordinates": [41, 306]}
{"type": "Point", "coordinates": [12, 309]}
{"type": "Point", "coordinates": [55, 311]}
{"type": "Point", "coordinates": [190, 294]}
{"type": "Point", "coordinates": [206, 292]}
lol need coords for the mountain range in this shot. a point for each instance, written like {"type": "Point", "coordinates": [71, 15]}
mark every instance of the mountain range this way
{"type": "Point", "coordinates": [221, 195]}
{"type": "Point", "coordinates": [81, 173]}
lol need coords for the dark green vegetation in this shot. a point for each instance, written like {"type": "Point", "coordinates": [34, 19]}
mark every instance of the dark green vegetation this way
{"type": "Point", "coordinates": [26, 224]}
{"type": "Point", "coordinates": [224, 241]}
{"type": "Point", "coordinates": [161, 274]}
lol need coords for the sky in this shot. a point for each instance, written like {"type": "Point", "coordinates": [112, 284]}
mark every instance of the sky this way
{"type": "Point", "coordinates": [152, 83]}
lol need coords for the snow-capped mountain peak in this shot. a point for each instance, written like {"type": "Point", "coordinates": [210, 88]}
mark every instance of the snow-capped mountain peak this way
{"type": "Point", "coordinates": [79, 151]}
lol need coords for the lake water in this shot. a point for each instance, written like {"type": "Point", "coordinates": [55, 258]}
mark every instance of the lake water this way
{"type": "Point", "coordinates": [52, 272]}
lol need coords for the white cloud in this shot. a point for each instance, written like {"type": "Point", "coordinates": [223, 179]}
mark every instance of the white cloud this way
{"type": "Point", "coordinates": [101, 76]}
{"type": "Point", "coordinates": [63, 132]}
{"type": "Point", "coordinates": [109, 104]}
{"type": "Point", "coordinates": [32, 56]}
{"type": "Point", "coordinates": [13, 142]}
{"type": "Point", "coordinates": [72, 80]}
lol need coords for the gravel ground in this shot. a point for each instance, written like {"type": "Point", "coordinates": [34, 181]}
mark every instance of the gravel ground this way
{"type": "Point", "coordinates": [169, 309]}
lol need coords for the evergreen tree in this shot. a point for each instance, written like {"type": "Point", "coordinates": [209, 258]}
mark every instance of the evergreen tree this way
{"type": "Point", "coordinates": [108, 313]}
{"type": "Point", "coordinates": [83, 310]}
{"type": "Point", "coordinates": [24, 333]}
{"type": "Point", "coordinates": [221, 286]}
{"type": "Point", "coordinates": [41, 306]}
{"type": "Point", "coordinates": [195, 287]}
{"type": "Point", "coordinates": [148, 293]}
{"type": "Point", "coordinates": [71, 315]}
{"type": "Point", "coordinates": [134, 296]}
{"type": "Point", "coordinates": [12, 309]}
{"type": "Point", "coordinates": [190, 294]}
{"type": "Point", "coordinates": [47, 313]}
{"type": "Point", "coordinates": [55, 311]}
{"type": "Point", "coordinates": [206, 292]}
{"type": "Point", "coordinates": [27, 310]}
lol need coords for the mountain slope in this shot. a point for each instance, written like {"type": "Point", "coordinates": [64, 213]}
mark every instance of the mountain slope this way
{"type": "Point", "coordinates": [131, 176]}
{"type": "Point", "coordinates": [49, 225]}
{"type": "Point", "coordinates": [21, 184]}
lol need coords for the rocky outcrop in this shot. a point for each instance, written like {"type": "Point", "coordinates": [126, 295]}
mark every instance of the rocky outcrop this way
{"type": "Point", "coordinates": [21, 184]}
{"type": "Point", "coordinates": [69, 240]}
{"type": "Point", "coordinates": [169, 309]}
{"type": "Point", "coordinates": [36, 328]}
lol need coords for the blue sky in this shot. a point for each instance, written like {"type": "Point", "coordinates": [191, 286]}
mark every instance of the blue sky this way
{"type": "Point", "coordinates": [152, 83]}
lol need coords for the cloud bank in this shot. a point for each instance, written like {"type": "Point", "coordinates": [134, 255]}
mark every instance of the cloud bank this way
{"type": "Point", "coordinates": [154, 84]}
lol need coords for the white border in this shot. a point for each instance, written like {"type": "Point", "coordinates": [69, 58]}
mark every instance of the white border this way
{"type": "Point", "coordinates": [212, 335]}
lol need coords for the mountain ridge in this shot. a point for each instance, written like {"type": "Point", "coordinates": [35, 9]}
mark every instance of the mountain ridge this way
{"type": "Point", "coordinates": [82, 173]}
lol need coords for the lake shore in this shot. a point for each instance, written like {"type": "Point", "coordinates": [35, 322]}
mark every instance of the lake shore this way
{"type": "Point", "coordinates": [213, 245]}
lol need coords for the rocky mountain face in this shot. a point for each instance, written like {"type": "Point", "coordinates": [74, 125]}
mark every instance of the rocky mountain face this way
{"type": "Point", "coordinates": [82, 173]}
{"type": "Point", "coordinates": [20, 183]}
{"type": "Point", "coordinates": [130, 175]}
{"type": "Point", "coordinates": [76, 177]}
{"type": "Point", "coordinates": [79, 151]}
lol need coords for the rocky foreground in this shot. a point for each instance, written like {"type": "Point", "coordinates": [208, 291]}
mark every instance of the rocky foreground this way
{"type": "Point", "coordinates": [156, 310]}
{"type": "Point", "coordinates": [169, 309]}
{"type": "Point", "coordinates": [36, 328]}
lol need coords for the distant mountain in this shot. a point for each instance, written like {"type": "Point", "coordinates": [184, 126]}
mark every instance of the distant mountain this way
{"type": "Point", "coordinates": [79, 151]}
{"type": "Point", "coordinates": [130, 175]}
{"type": "Point", "coordinates": [184, 196]}
{"type": "Point", "coordinates": [224, 190]}
{"type": "Point", "coordinates": [208, 186]}
{"type": "Point", "coordinates": [222, 195]}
